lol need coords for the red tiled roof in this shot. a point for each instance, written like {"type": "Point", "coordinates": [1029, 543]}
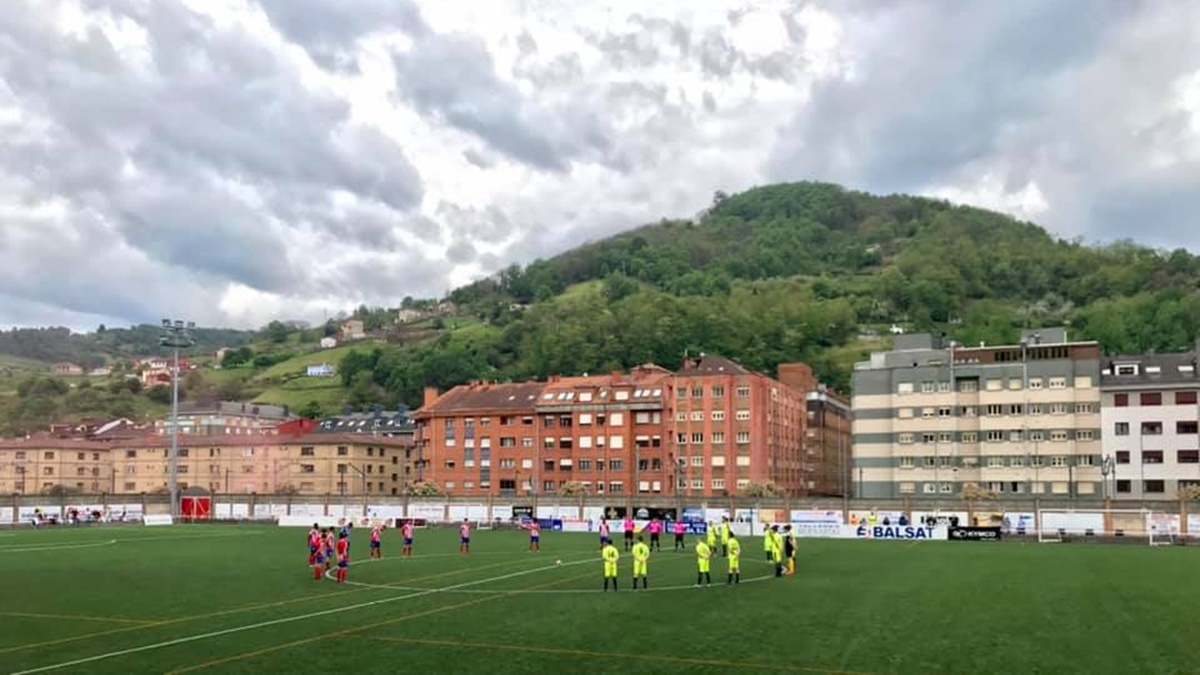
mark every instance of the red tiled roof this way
{"type": "Point", "coordinates": [483, 397]}
{"type": "Point", "coordinates": [711, 365]}
{"type": "Point", "coordinates": [349, 439]}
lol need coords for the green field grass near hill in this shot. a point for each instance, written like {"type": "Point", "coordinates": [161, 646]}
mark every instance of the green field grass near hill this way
{"type": "Point", "coordinates": [241, 599]}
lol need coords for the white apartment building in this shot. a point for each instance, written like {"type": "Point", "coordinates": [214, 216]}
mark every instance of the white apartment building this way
{"type": "Point", "coordinates": [1151, 424]}
{"type": "Point", "coordinates": [1021, 420]}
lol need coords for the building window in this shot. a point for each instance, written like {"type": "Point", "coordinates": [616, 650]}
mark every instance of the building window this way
{"type": "Point", "coordinates": [718, 415]}
{"type": "Point", "coordinates": [1085, 408]}
{"type": "Point", "coordinates": [1058, 408]}
{"type": "Point", "coordinates": [304, 468]}
{"type": "Point", "coordinates": [1058, 436]}
{"type": "Point", "coordinates": [905, 438]}
{"type": "Point", "coordinates": [944, 386]}
{"type": "Point", "coordinates": [995, 436]}
{"type": "Point", "coordinates": [743, 392]}
{"type": "Point", "coordinates": [1035, 383]}
{"type": "Point", "coordinates": [927, 387]}
{"type": "Point", "coordinates": [1015, 383]}
{"type": "Point", "coordinates": [1085, 435]}
{"type": "Point", "coordinates": [1186, 428]}
{"type": "Point", "coordinates": [742, 416]}
{"type": "Point", "coordinates": [718, 483]}
{"type": "Point", "coordinates": [718, 437]}
{"type": "Point", "coordinates": [1124, 486]}
{"type": "Point", "coordinates": [970, 437]}
{"type": "Point", "coordinates": [1152, 457]}
{"type": "Point", "coordinates": [718, 392]}
{"type": "Point", "coordinates": [1153, 486]}
{"type": "Point", "coordinates": [306, 451]}
{"type": "Point", "coordinates": [1122, 457]}
{"type": "Point", "coordinates": [995, 384]}
{"type": "Point", "coordinates": [945, 437]}
{"type": "Point", "coordinates": [994, 410]}
{"type": "Point", "coordinates": [968, 386]}
{"type": "Point", "coordinates": [1035, 409]}
{"type": "Point", "coordinates": [1058, 383]}
{"type": "Point", "coordinates": [903, 388]}
{"type": "Point", "coordinates": [1187, 457]}
{"type": "Point", "coordinates": [928, 413]}
{"type": "Point", "coordinates": [697, 415]}
{"type": "Point", "coordinates": [1152, 428]}
{"type": "Point", "coordinates": [928, 438]}
{"type": "Point", "coordinates": [1120, 400]}
{"type": "Point", "coordinates": [681, 416]}
{"type": "Point", "coordinates": [743, 437]}
{"type": "Point", "coordinates": [1058, 461]}
{"type": "Point", "coordinates": [1185, 398]}
{"type": "Point", "coordinates": [1015, 436]}
{"type": "Point", "coordinates": [1037, 436]}
{"type": "Point", "coordinates": [1016, 409]}
{"type": "Point", "coordinates": [1121, 429]}
{"type": "Point", "coordinates": [697, 439]}
{"type": "Point", "coordinates": [995, 462]}
{"type": "Point", "coordinates": [1151, 398]}
{"type": "Point", "coordinates": [907, 462]}
{"type": "Point", "coordinates": [945, 411]}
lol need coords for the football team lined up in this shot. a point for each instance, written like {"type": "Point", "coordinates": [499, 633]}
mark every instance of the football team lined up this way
{"type": "Point", "coordinates": [780, 546]}
{"type": "Point", "coordinates": [324, 549]}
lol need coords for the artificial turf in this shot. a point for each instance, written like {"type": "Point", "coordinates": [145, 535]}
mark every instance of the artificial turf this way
{"type": "Point", "coordinates": [241, 599]}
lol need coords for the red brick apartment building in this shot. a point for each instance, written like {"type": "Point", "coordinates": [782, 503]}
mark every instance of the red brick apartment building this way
{"type": "Point", "coordinates": [710, 429]}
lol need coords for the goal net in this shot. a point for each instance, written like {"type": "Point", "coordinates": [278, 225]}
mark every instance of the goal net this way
{"type": "Point", "coordinates": [1155, 528]}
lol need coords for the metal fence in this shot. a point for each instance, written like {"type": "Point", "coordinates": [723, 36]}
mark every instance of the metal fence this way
{"type": "Point", "coordinates": [255, 507]}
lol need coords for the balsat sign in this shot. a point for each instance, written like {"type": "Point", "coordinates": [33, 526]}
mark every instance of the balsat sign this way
{"type": "Point", "coordinates": [897, 532]}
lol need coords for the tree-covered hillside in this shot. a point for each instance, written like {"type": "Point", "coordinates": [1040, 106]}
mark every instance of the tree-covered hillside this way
{"type": "Point", "coordinates": [803, 271]}
{"type": "Point", "coordinates": [103, 345]}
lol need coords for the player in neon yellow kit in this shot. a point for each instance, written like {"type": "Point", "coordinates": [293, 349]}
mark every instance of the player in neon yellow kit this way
{"type": "Point", "coordinates": [704, 555]}
{"type": "Point", "coordinates": [641, 563]}
{"type": "Point", "coordinates": [734, 560]}
{"type": "Point", "coordinates": [611, 555]}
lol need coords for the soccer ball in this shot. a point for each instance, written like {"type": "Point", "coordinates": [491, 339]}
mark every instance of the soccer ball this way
{"type": "Point", "coordinates": [557, 562]}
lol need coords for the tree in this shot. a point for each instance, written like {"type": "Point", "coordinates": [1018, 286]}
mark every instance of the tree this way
{"type": "Point", "coordinates": [1190, 493]}
{"type": "Point", "coordinates": [972, 494]}
{"type": "Point", "coordinates": [278, 332]}
{"type": "Point", "coordinates": [572, 489]}
{"type": "Point", "coordinates": [162, 394]}
{"type": "Point", "coordinates": [422, 489]}
{"type": "Point", "coordinates": [310, 410]}
{"type": "Point", "coordinates": [762, 489]}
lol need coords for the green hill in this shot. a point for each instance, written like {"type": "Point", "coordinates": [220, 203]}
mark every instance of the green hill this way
{"type": "Point", "coordinates": [804, 271]}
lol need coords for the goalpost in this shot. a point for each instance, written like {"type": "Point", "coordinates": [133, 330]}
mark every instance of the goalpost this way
{"type": "Point", "coordinates": [1155, 527]}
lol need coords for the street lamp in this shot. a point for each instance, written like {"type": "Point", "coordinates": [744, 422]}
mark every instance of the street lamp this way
{"type": "Point", "coordinates": [176, 335]}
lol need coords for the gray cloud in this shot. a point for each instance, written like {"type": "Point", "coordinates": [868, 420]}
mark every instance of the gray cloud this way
{"type": "Point", "coordinates": [328, 29]}
{"type": "Point", "coordinates": [140, 183]}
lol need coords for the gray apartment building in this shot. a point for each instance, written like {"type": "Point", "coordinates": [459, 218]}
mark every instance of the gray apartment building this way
{"type": "Point", "coordinates": [1022, 420]}
{"type": "Point", "coordinates": [1151, 421]}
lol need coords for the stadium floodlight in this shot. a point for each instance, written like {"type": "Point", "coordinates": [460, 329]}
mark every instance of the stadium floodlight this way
{"type": "Point", "coordinates": [176, 336]}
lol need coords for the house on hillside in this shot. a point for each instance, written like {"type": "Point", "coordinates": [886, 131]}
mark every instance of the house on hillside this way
{"type": "Point", "coordinates": [321, 370]}
{"type": "Point", "coordinates": [353, 330]}
{"type": "Point", "coordinates": [68, 369]}
{"type": "Point", "coordinates": [409, 315]}
{"type": "Point", "coordinates": [328, 342]}
{"type": "Point", "coordinates": [102, 371]}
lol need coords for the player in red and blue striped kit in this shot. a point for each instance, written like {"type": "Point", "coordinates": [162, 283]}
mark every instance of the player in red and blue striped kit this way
{"type": "Point", "coordinates": [408, 538]}
{"type": "Point", "coordinates": [464, 535]}
{"type": "Point", "coordinates": [314, 551]}
{"type": "Point", "coordinates": [343, 557]}
{"type": "Point", "coordinates": [375, 542]}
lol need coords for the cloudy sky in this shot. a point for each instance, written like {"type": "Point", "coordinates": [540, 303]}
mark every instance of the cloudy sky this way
{"type": "Point", "coordinates": [234, 161]}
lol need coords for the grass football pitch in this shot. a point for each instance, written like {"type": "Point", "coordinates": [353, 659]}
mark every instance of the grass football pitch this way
{"type": "Point", "coordinates": [240, 599]}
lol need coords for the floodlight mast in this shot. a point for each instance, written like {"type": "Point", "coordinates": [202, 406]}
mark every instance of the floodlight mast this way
{"type": "Point", "coordinates": [176, 335]}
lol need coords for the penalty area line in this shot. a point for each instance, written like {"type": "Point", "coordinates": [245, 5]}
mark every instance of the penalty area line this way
{"type": "Point", "coordinates": [292, 619]}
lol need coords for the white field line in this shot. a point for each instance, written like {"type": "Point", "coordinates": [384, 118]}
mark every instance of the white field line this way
{"type": "Point", "coordinates": [276, 622]}
{"type": "Point", "coordinates": [64, 546]}
{"type": "Point", "coordinates": [58, 547]}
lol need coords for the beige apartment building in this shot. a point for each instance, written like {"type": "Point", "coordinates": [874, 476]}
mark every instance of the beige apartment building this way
{"type": "Point", "coordinates": [316, 464]}
{"type": "Point", "coordinates": [31, 466]}
{"type": "Point", "coordinates": [1021, 420]}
